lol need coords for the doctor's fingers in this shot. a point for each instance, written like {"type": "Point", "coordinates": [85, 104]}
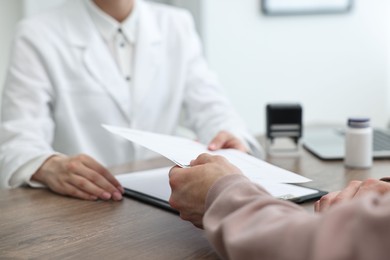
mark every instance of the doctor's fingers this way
{"type": "Point", "coordinates": [68, 189]}
{"type": "Point", "coordinates": [233, 142]}
{"type": "Point", "coordinates": [98, 181]}
{"type": "Point", "coordinates": [226, 140]}
{"type": "Point", "coordinates": [90, 163]}
{"type": "Point", "coordinates": [219, 140]}
{"type": "Point", "coordinates": [83, 184]}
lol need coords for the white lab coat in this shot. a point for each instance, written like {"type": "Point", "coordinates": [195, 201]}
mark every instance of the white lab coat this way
{"type": "Point", "coordinates": [63, 83]}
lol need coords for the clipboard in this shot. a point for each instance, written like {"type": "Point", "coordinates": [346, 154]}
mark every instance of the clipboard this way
{"type": "Point", "coordinates": [150, 200]}
{"type": "Point", "coordinates": [152, 187]}
{"type": "Point", "coordinates": [310, 197]}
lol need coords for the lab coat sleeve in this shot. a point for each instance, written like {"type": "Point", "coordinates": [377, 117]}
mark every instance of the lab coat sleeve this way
{"type": "Point", "coordinates": [208, 110]}
{"type": "Point", "coordinates": [26, 124]}
{"type": "Point", "coordinates": [243, 221]}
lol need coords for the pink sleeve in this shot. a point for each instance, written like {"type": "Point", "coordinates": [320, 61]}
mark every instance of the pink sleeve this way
{"type": "Point", "coordinates": [243, 221]}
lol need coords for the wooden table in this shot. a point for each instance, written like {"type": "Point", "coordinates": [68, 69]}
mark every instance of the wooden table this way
{"type": "Point", "coordinates": [35, 223]}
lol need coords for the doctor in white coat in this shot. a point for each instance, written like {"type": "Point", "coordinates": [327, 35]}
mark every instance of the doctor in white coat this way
{"type": "Point", "coordinates": [121, 62]}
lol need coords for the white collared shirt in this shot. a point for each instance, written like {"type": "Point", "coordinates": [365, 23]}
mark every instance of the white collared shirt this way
{"type": "Point", "coordinates": [120, 39]}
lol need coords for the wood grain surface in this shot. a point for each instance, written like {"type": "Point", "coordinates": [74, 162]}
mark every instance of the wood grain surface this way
{"type": "Point", "coordinates": [37, 224]}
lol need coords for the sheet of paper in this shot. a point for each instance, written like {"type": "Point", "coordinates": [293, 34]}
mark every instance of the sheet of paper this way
{"type": "Point", "coordinates": [155, 183]}
{"type": "Point", "coordinates": [182, 150]}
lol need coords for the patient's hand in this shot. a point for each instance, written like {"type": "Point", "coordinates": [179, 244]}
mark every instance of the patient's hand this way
{"type": "Point", "coordinates": [191, 185]}
{"type": "Point", "coordinates": [79, 176]}
{"type": "Point", "coordinates": [353, 190]}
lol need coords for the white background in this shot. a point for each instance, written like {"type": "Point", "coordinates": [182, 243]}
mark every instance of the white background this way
{"type": "Point", "coordinates": [334, 65]}
{"type": "Point", "coordinates": [306, 4]}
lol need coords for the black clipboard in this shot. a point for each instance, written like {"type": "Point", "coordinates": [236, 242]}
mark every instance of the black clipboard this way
{"type": "Point", "coordinates": [165, 205]}
{"type": "Point", "coordinates": [147, 194]}
{"type": "Point", "coordinates": [308, 198]}
{"type": "Point", "coordinates": [145, 198]}
{"type": "Point", "coordinates": [150, 200]}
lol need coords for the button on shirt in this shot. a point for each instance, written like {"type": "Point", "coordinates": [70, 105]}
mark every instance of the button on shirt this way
{"type": "Point", "coordinates": [120, 39]}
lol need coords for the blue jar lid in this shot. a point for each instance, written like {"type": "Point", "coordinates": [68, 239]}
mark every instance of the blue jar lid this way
{"type": "Point", "coordinates": [359, 122]}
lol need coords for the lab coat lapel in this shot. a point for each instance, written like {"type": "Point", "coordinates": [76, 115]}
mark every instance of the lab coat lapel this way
{"type": "Point", "coordinates": [101, 65]}
{"type": "Point", "coordinates": [96, 56]}
{"type": "Point", "coordinates": [148, 55]}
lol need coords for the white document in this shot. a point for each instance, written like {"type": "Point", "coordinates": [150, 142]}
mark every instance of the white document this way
{"type": "Point", "coordinates": [182, 150]}
{"type": "Point", "coordinates": [155, 183]}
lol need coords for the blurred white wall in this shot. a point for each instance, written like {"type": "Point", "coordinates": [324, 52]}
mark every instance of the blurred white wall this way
{"type": "Point", "coordinates": [195, 7]}
{"type": "Point", "coordinates": [334, 65]}
{"type": "Point", "coordinates": [31, 7]}
{"type": "Point", "coordinates": [10, 13]}
{"type": "Point", "coordinates": [388, 62]}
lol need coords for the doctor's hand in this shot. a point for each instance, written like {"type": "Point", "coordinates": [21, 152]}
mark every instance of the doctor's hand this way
{"type": "Point", "coordinates": [190, 185]}
{"type": "Point", "coordinates": [225, 140]}
{"type": "Point", "coordinates": [79, 176]}
{"type": "Point", "coordinates": [353, 190]}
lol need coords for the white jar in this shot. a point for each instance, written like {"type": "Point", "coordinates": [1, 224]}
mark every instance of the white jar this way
{"type": "Point", "coordinates": [358, 143]}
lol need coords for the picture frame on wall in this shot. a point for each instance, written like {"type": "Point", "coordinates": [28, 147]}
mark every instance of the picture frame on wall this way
{"type": "Point", "coordinates": [301, 7]}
